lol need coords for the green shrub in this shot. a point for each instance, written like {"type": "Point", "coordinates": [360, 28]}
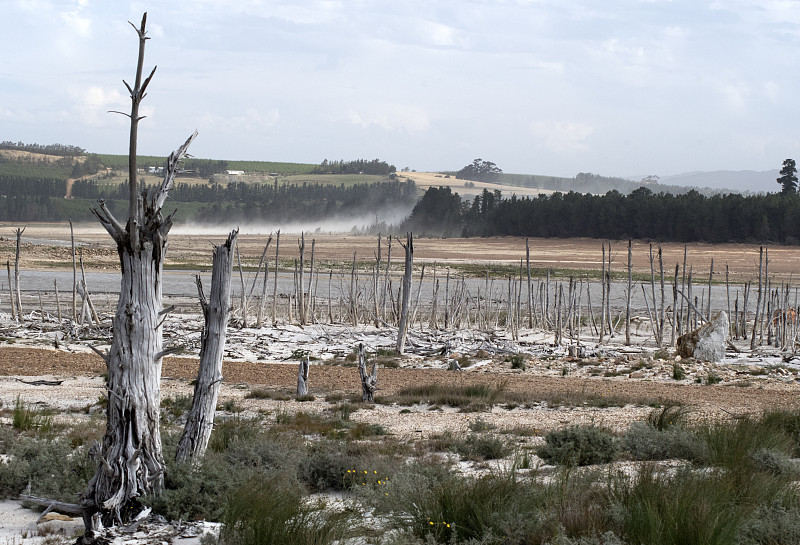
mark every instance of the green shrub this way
{"type": "Point", "coordinates": [26, 418]}
{"type": "Point", "coordinates": [479, 424]}
{"type": "Point", "coordinates": [173, 408]}
{"type": "Point", "coordinates": [494, 509]}
{"type": "Point", "coordinates": [479, 447]}
{"type": "Point", "coordinates": [227, 430]}
{"type": "Point", "coordinates": [669, 416]}
{"type": "Point", "coordinates": [644, 442]}
{"type": "Point", "coordinates": [690, 506]}
{"type": "Point", "coordinates": [678, 372]}
{"type": "Point", "coordinates": [785, 421]}
{"type": "Point", "coordinates": [774, 462]}
{"type": "Point", "coordinates": [272, 510]}
{"type": "Point", "coordinates": [771, 525]}
{"type": "Point", "coordinates": [51, 466]}
{"type": "Point", "coordinates": [579, 445]}
{"type": "Point", "coordinates": [518, 361]}
{"type": "Point", "coordinates": [731, 444]}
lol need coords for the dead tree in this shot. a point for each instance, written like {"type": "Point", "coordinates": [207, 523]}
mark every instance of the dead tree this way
{"type": "Point", "coordinates": [130, 462]}
{"type": "Point", "coordinates": [216, 311]}
{"type": "Point", "coordinates": [409, 264]}
{"type": "Point", "coordinates": [16, 274]}
{"type": "Point", "coordinates": [302, 376]}
{"type": "Point", "coordinates": [369, 381]}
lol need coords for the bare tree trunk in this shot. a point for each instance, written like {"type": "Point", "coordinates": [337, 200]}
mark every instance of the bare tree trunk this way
{"type": "Point", "coordinates": [603, 298]}
{"type": "Point", "coordinates": [419, 292]}
{"type": "Point", "coordinates": [608, 294]}
{"type": "Point", "coordinates": [683, 290]}
{"type": "Point", "coordinates": [308, 314]}
{"type": "Point", "coordinates": [86, 293]}
{"type": "Point", "coordinates": [74, 274]}
{"type": "Point", "coordinates": [302, 376]}
{"type": "Point", "coordinates": [353, 310]}
{"type": "Point", "coordinates": [728, 298]}
{"type": "Point", "coordinates": [11, 292]}
{"type": "Point", "coordinates": [710, 277]}
{"type": "Point", "coordinates": [301, 303]}
{"type": "Point", "coordinates": [628, 298]}
{"type": "Point", "coordinates": [244, 295]}
{"type": "Point", "coordinates": [275, 284]}
{"type": "Point", "coordinates": [386, 287]}
{"type": "Point", "coordinates": [16, 274]}
{"type": "Point", "coordinates": [409, 265]}
{"type": "Point", "coordinates": [369, 381]}
{"type": "Point", "coordinates": [263, 299]}
{"type": "Point", "coordinates": [674, 306]}
{"type": "Point", "coordinates": [58, 301]}
{"type": "Point", "coordinates": [330, 302]}
{"type": "Point", "coordinates": [661, 308]}
{"type": "Point", "coordinates": [758, 300]}
{"type": "Point", "coordinates": [654, 316]}
{"type": "Point", "coordinates": [375, 279]}
{"type": "Point", "coordinates": [130, 462]}
{"type": "Point", "coordinates": [530, 295]}
{"type": "Point", "coordinates": [216, 311]}
{"type": "Point", "coordinates": [447, 300]}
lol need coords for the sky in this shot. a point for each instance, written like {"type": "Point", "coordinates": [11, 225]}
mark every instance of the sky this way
{"type": "Point", "coordinates": [617, 88]}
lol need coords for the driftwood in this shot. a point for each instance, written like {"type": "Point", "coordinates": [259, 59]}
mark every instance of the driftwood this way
{"type": "Point", "coordinates": [200, 421]}
{"type": "Point", "coordinates": [369, 381]}
{"type": "Point", "coordinates": [52, 505]}
{"type": "Point", "coordinates": [41, 382]}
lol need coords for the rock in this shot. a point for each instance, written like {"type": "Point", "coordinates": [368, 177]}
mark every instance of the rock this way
{"type": "Point", "coordinates": [636, 374]}
{"type": "Point", "coordinates": [706, 343]}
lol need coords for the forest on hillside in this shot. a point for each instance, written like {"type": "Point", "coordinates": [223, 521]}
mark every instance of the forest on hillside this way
{"type": "Point", "coordinates": [642, 214]}
{"type": "Point", "coordinates": [32, 188]}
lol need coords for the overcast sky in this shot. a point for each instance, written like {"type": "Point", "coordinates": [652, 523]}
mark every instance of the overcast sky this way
{"type": "Point", "coordinates": [538, 87]}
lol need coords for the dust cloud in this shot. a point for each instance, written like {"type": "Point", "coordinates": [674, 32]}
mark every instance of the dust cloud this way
{"type": "Point", "coordinates": [384, 220]}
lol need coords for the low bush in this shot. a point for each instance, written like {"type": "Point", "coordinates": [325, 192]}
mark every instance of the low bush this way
{"type": "Point", "coordinates": [579, 446]}
{"type": "Point", "coordinates": [272, 510]}
{"type": "Point", "coordinates": [52, 467]}
{"type": "Point", "coordinates": [642, 441]}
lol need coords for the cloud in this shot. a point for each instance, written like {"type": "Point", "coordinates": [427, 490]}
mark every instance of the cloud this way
{"type": "Point", "coordinates": [91, 104]}
{"type": "Point", "coordinates": [78, 24]}
{"type": "Point", "coordinates": [392, 117]}
{"type": "Point", "coordinates": [563, 136]}
{"type": "Point", "coordinates": [736, 95]}
{"type": "Point", "coordinates": [249, 120]}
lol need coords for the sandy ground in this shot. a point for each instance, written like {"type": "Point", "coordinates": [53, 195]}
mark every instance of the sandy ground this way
{"type": "Point", "coordinates": [47, 245]}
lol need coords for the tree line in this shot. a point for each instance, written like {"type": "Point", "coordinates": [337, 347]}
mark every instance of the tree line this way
{"type": "Point", "coordinates": [49, 149]}
{"type": "Point", "coordinates": [24, 199]}
{"type": "Point", "coordinates": [641, 214]}
{"type": "Point", "coordinates": [359, 166]}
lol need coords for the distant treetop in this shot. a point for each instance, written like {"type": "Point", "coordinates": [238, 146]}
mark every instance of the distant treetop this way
{"type": "Point", "coordinates": [480, 171]}
{"type": "Point", "coordinates": [788, 178]}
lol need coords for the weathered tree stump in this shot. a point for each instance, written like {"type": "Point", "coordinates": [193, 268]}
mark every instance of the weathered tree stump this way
{"type": "Point", "coordinates": [302, 376]}
{"type": "Point", "coordinates": [369, 381]}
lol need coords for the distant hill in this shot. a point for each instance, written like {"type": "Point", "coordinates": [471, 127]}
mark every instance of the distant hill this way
{"type": "Point", "coordinates": [737, 180]}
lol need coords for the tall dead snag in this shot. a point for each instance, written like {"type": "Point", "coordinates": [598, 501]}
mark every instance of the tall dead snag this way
{"type": "Point", "coordinates": [369, 381]}
{"type": "Point", "coordinates": [130, 462]}
{"type": "Point", "coordinates": [216, 311]}
{"type": "Point", "coordinates": [403, 326]}
{"type": "Point", "coordinates": [16, 274]}
{"type": "Point", "coordinates": [302, 376]}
